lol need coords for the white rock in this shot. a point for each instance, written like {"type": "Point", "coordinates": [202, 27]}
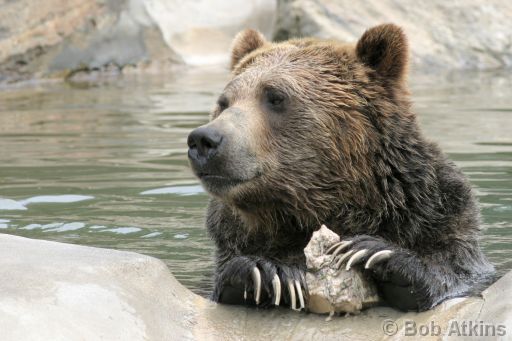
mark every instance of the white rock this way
{"type": "Point", "coordinates": [55, 291]}
{"type": "Point", "coordinates": [442, 34]}
{"type": "Point", "coordinates": [201, 31]}
{"type": "Point", "coordinates": [332, 290]}
{"type": "Point", "coordinates": [62, 37]}
{"type": "Point", "coordinates": [317, 246]}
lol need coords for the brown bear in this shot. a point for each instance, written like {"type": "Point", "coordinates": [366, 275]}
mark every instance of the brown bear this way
{"type": "Point", "coordinates": [311, 132]}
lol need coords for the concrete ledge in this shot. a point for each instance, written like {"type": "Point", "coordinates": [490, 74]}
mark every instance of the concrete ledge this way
{"type": "Point", "coordinates": [55, 291]}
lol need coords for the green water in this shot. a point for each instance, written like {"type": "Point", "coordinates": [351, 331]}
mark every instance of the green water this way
{"type": "Point", "coordinates": [105, 164]}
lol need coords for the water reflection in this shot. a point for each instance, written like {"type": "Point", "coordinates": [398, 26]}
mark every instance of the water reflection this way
{"type": "Point", "coordinates": [105, 164]}
{"type": "Point", "coordinates": [10, 205]}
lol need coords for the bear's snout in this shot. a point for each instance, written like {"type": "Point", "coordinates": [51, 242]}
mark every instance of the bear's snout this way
{"type": "Point", "coordinates": [221, 154]}
{"type": "Point", "coordinates": [203, 143]}
{"type": "Point", "coordinates": [208, 156]}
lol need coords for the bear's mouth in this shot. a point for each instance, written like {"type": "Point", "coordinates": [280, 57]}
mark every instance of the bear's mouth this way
{"type": "Point", "coordinates": [220, 184]}
{"type": "Point", "coordinates": [215, 177]}
{"type": "Point", "coordinates": [217, 181]}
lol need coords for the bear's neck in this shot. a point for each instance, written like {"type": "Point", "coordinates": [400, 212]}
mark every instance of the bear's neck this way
{"type": "Point", "coordinates": [404, 187]}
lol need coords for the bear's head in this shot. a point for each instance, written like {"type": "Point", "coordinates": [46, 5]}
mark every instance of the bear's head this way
{"type": "Point", "coordinates": [300, 126]}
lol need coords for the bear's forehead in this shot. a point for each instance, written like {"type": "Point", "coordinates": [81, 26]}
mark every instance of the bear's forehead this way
{"type": "Point", "coordinates": [293, 64]}
{"type": "Point", "coordinates": [305, 53]}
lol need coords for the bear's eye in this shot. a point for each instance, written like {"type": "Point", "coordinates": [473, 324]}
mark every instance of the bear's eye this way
{"type": "Point", "coordinates": [223, 103]}
{"type": "Point", "coordinates": [275, 99]}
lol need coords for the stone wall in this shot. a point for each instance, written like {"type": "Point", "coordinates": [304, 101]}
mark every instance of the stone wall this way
{"type": "Point", "coordinates": [60, 38]}
{"type": "Point", "coordinates": [461, 34]}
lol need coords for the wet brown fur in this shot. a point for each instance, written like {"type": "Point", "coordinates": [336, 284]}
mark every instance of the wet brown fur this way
{"type": "Point", "coordinates": [349, 154]}
{"type": "Point", "coordinates": [341, 91]}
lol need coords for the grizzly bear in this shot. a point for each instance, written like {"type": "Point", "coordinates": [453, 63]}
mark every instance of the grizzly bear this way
{"type": "Point", "coordinates": [312, 132]}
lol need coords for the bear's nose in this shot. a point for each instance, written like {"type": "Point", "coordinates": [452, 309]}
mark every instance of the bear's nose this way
{"type": "Point", "coordinates": [203, 142]}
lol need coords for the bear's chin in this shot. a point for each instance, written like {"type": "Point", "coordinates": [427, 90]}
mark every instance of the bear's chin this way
{"type": "Point", "coordinates": [221, 186]}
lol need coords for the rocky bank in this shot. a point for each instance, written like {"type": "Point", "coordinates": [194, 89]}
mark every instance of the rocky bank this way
{"type": "Point", "coordinates": [69, 38]}
{"type": "Point", "coordinates": [55, 291]}
{"type": "Point", "coordinates": [443, 35]}
{"type": "Point", "coordinates": [66, 38]}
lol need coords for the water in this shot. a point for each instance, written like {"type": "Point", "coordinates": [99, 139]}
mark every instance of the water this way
{"type": "Point", "coordinates": [105, 164]}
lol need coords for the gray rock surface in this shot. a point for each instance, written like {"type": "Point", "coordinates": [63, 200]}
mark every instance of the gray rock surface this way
{"type": "Point", "coordinates": [332, 290]}
{"type": "Point", "coordinates": [64, 38]}
{"type": "Point", "coordinates": [58, 38]}
{"type": "Point", "coordinates": [443, 34]}
{"type": "Point", "coordinates": [55, 291]}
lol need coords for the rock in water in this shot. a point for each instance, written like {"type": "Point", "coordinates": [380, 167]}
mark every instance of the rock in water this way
{"type": "Point", "coordinates": [332, 290]}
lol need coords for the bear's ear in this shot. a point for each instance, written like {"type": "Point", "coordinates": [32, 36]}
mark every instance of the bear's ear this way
{"type": "Point", "coordinates": [384, 48]}
{"type": "Point", "coordinates": [244, 43]}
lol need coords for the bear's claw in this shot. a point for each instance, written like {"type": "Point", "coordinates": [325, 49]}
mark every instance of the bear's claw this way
{"type": "Point", "coordinates": [295, 290]}
{"type": "Point", "coordinates": [291, 290]}
{"type": "Point", "coordinates": [276, 285]}
{"type": "Point", "coordinates": [258, 281]}
{"type": "Point", "coordinates": [367, 250]}
{"type": "Point", "coordinates": [341, 258]}
{"type": "Point", "coordinates": [338, 247]}
{"type": "Point", "coordinates": [256, 278]}
{"type": "Point", "coordinates": [378, 257]}
{"type": "Point", "coordinates": [356, 258]}
{"type": "Point", "coordinates": [299, 293]}
{"type": "Point", "coordinates": [361, 256]}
